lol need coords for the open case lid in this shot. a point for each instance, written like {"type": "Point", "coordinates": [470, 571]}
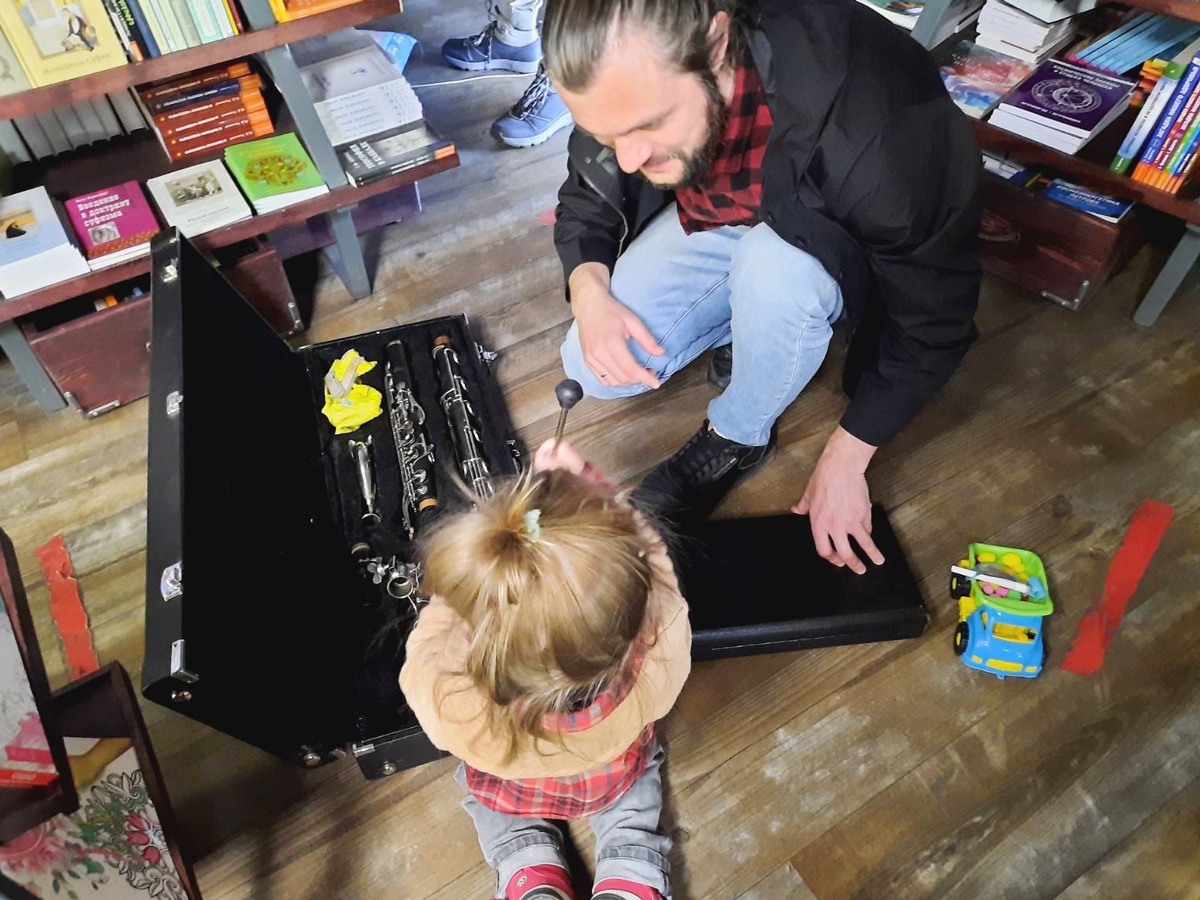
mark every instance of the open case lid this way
{"type": "Point", "coordinates": [46, 787]}
{"type": "Point", "coordinates": [243, 630]}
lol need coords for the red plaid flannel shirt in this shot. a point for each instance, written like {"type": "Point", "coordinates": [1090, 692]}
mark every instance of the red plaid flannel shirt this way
{"type": "Point", "coordinates": [579, 796]}
{"type": "Point", "coordinates": [732, 190]}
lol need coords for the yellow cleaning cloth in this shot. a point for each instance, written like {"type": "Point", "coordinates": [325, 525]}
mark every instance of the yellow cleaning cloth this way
{"type": "Point", "coordinates": [349, 402]}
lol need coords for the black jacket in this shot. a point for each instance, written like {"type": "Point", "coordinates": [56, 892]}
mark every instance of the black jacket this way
{"type": "Point", "coordinates": [869, 167]}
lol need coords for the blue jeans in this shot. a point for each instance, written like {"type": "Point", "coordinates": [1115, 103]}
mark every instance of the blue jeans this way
{"type": "Point", "coordinates": [736, 283]}
{"type": "Point", "coordinates": [629, 842]}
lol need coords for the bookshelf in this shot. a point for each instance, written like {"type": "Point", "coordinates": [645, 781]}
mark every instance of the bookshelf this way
{"type": "Point", "coordinates": [1091, 167]}
{"type": "Point", "coordinates": [269, 41]}
{"type": "Point", "coordinates": [180, 62]}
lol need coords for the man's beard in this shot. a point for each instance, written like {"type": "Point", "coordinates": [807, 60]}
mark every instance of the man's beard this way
{"type": "Point", "coordinates": [696, 164]}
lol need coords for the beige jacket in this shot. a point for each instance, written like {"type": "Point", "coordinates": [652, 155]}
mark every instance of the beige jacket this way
{"type": "Point", "coordinates": [438, 645]}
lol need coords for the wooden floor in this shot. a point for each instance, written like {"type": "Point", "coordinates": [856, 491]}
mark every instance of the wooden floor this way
{"type": "Point", "coordinates": [876, 771]}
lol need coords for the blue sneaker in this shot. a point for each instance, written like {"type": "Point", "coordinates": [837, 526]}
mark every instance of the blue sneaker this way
{"type": "Point", "coordinates": [485, 51]}
{"type": "Point", "coordinates": [535, 117]}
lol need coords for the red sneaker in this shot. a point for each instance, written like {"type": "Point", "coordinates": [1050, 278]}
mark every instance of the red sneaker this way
{"type": "Point", "coordinates": [544, 882]}
{"type": "Point", "coordinates": [622, 889]}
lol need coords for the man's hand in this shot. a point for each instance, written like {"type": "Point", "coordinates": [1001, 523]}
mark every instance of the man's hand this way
{"type": "Point", "coordinates": [563, 456]}
{"type": "Point", "coordinates": [838, 503]}
{"type": "Point", "coordinates": [606, 326]}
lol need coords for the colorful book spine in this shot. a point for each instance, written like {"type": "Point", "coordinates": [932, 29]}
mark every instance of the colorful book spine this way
{"type": "Point", "coordinates": [187, 98]}
{"type": "Point", "coordinates": [157, 27]}
{"type": "Point", "coordinates": [235, 17]}
{"type": "Point", "coordinates": [187, 23]}
{"type": "Point", "coordinates": [132, 50]}
{"type": "Point", "coordinates": [1179, 96]}
{"type": "Point", "coordinates": [197, 80]}
{"type": "Point", "coordinates": [181, 120]}
{"type": "Point", "coordinates": [132, 12]}
{"type": "Point", "coordinates": [1185, 166]}
{"type": "Point", "coordinates": [206, 23]}
{"type": "Point", "coordinates": [1174, 137]}
{"type": "Point", "coordinates": [1183, 132]}
{"type": "Point", "coordinates": [1147, 118]}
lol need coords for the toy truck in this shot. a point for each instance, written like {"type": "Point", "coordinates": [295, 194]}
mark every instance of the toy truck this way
{"type": "Point", "coordinates": [1003, 600]}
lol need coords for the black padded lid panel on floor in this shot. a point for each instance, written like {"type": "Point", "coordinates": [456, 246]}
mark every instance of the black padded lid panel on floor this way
{"type": "Point", "coordinates": [757, 585]}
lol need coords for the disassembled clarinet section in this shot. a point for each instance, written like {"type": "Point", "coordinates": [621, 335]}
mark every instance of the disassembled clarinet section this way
{"type": "Point", "coordinates": [418, 478]}
{"type": "Point", "coordinates": [464, 426]}
{"type": "Point", "coordinates": [361, 451]}
{"type": "Point", "coordinates": [381, 543]}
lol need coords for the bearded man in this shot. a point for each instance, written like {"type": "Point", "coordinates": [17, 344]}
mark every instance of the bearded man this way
{"type": "Point", "coordinates": [743, 174]}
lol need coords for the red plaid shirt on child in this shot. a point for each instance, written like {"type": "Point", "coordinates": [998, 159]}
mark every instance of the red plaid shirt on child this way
{"type": "Point", "coordinates": [579, 796]}
{"type": "Point", "coordinates": [732, 189]}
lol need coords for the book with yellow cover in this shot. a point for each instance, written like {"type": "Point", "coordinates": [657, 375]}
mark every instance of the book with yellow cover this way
{"type": "Point", "coordinates": [56, 40]}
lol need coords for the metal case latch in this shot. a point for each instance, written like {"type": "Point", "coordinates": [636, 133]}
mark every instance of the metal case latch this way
{"type": "Point", "coordinates": [170, 585]}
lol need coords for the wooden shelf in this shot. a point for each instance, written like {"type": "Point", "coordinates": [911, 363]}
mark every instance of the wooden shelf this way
{"type": "Point", "coordinates": [1188, 10]}
{"type": "Point", "coordinates": [182, 61]}
{"type": "Point", "coordinates": [338, 198]}
{"type": "Point", "coordinates": [1091, 173]}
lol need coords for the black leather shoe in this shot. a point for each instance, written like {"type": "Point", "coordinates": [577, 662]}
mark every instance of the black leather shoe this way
{"type": "Point", "coordinates": [720, 367]}
{"type": "Point", "coordinates": [689, 485]}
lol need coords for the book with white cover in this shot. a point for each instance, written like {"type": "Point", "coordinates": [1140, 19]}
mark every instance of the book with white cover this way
{"type": "Point", "coordinates": [360, 94]}
{"type": "Point", "coordinates": [199, 198]}
{"type": "Point", "coordinates": [35, 249]}
{"type": "Point", "coordinates": [1053, 10]}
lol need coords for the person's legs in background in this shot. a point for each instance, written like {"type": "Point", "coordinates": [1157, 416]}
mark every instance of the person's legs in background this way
{"type": "Point", "coordinates": [510, 42]}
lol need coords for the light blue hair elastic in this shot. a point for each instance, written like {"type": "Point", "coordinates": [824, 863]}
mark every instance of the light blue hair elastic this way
{"type": "Point", "coordinates": [533, 525]}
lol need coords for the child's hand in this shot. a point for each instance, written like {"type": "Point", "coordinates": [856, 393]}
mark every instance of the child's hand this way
{"type": "Point", "coordinates": [564, 456]}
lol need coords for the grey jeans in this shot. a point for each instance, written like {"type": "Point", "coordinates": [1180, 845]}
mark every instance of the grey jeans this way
{"type": "Point", "coordinates": [629, 842]}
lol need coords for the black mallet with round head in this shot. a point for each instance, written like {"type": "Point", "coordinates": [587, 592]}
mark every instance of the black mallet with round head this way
{"type": "Point", "coordinates": [569, 392]}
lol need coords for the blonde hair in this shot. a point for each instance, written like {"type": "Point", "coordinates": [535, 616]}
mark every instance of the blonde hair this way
{"type": "Point", "coordinates": [551, 573]}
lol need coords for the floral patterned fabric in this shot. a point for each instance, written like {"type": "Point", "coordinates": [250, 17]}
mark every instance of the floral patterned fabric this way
{"type": "Point", "coordinates": [111, 848]}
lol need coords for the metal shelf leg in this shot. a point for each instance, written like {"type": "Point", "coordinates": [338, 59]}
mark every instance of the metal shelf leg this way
{"type": "Point", "coordinates": [1176, 268]}
{"type": "Point", "coordinates": [286, 75]}
{"type": "Point", "coordinates": [29, 370]}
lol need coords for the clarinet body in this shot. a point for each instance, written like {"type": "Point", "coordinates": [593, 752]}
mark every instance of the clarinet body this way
{"type": "Point", "coordinates": [418, 480]}
{"type": "Point", "coordinates": [464, 426]}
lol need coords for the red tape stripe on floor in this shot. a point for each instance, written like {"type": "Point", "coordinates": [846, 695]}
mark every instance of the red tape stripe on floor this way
{"type": "Point", "coordinates": [70, 618]}
{"type": "Point", "coordinates": [1098, 627]}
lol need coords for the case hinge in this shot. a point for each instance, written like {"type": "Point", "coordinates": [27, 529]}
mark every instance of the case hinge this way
{"type": "Point", "coordinates": [170, 584]}
{"type": "Point", "coordinates": [174, 404]}
{"type": "Point", "coordinates": [178, 666]}
{"type": "Point", "coordinates": [362, 749]}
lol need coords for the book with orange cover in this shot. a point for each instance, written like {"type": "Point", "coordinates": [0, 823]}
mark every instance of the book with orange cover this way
{"type": "Point", "coordinates": [221, 139]}
{"type": "Point", "coordinates": [182, 119]}
{"type": "Point", "coordinates": [196, 80]}
{"type": "Point", "coordinates": [298, 9]}
{"type": "Point", "coordinates": [199, 95]}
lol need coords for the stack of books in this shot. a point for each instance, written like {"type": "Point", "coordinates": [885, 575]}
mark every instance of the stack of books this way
{"type": "Point", "coordinates": [1161, 146]}
{"type": "Point", "coordinates": [1063, 106]}
{"type": "Point", "coordinates": [1021, 35]}
{"type": "Point", "coordinates": [978, 78]}
{"type": "Point", "coordinates": [371, 113]}
{"type": "Point", "coordinates": [198, 114]}
{"type": "Point", "coordinates": [1139, 37]}
{"type": "Point", "coordinates": [275, 172]}
{"type": "Point", "coordinates": [114, 225]}
{"type": "Point", "coordinates": [35, 250]}
{"type": "Point", "coordinates": [199, 198]}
